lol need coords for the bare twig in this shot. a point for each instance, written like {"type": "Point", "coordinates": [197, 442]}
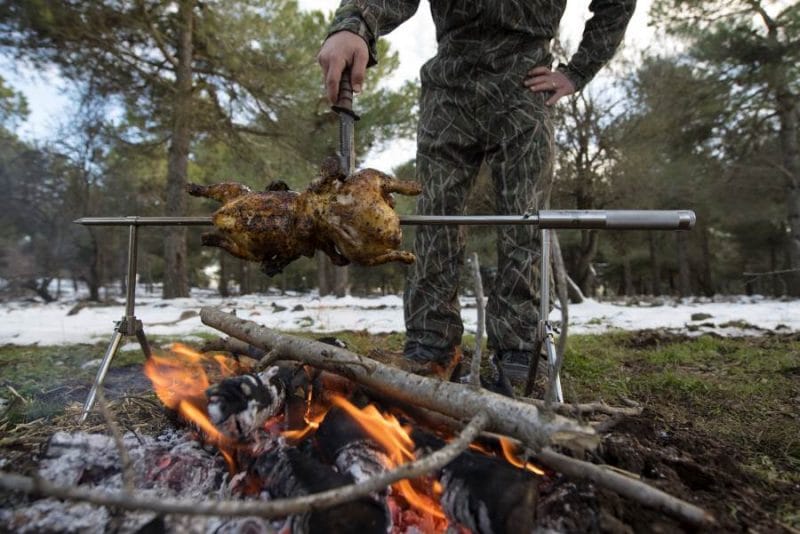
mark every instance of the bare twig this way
{"type": "Point", "coordinates": [507, 416]}
{"type": "Point", "coordinates": [269, 359]}
{"type": "Point", "coordinates": [17, 394]}
{"type": "Point", "coordinates": [772, 273]}
{"type": "Point", "coordinates": [264, 509]}
{"type": "Point", "coordinates": [584, 408]}
{"type": "Point", "coordinates": [475, 368]}
{"type": "Point", "coordinates": [560, 275]}
{"type": "Point", "coordinates": [577, 294]}
{"type": "Point", "coordinates": [628, 487]}
{"type": "Point", "coordinates": [128, 480]}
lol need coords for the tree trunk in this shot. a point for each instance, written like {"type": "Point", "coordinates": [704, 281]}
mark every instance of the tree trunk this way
{"type": "Point", "coordinates": [244, 278]}
{"type": "Point", "coordinates": [627, 275]}
{"type": "Point", "coordinates": [324, 275]}
{"type": "Point", "coordinates": [341, 281]}
{"type": "Point", "coordinates": [93, 278]}
{"type": "Point", "coordinates": [332, 280]}
{"type": "Point", "coordinates": [655, 264]}
{"type": "Point", "coordinates": [584, 275]}
{"type": "Point", "coordinates": [682, 256]}
{"type": "Point", "coordinates": [708, 281]}
{"type": "Point", "coordinates": [223, 275]}
{"type": "Point", "coordinates": [176, 283]}
{"type": "Point", "coordinates": [788, 111]}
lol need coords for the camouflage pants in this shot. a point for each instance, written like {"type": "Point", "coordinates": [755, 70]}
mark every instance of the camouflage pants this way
{"type": "Point", "coordinates": [489, 116]}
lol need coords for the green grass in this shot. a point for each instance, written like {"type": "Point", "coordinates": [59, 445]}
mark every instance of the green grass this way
{"type": "Point", "coordinates": [744, 391]}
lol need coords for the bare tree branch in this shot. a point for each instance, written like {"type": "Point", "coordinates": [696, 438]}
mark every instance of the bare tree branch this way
{"type": "Point", "coordinates": [128, 478]}
{"type": "Point", "coordinates": [626, 486]}
{"type": "Point", "coordinates": [475, 368]}
{"type": "Point", "coordinates": [577, 409]}
{"type": "Point", "coordinates": [507, 416]}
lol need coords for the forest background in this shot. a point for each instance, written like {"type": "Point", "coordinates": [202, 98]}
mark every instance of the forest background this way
{"type": "Point", "coordinates": [167, 92]}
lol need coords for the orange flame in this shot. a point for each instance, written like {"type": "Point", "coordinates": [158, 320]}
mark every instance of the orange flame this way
{"type": "Point", "coordinates": [180, 381]}
{"type": "Point", "coordinates": [510, 456]}
{"type": "Point", "coordinates": [387, 431]}
{"type": "Point", "coordinates": [313, 416]}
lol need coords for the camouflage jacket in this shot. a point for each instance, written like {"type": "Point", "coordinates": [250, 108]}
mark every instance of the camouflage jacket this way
{"type": "Point", "coordinates": [483, 32]}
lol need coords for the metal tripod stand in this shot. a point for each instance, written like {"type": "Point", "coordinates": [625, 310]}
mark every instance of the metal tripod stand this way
{"type": "Point", "coordinates": [546, 220]}
{"type": "Point", "coordinates": [128, 326]}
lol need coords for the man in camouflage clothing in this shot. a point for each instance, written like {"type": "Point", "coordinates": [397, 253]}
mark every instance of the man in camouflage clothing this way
{"type": "Point", "coordinates": [487, 95]}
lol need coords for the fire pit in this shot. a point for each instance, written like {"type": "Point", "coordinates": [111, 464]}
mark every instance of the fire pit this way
{"type": "Point", "coordinates": [276, 445]}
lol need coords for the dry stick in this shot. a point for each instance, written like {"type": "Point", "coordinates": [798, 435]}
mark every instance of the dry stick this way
{"type": "Point", "coordinates": [560, 275]}
{"type": "Point", "coordinates": [264, 509]}
{"type": "Point", "coordinates": [623, 485]}
{"type": "Point", "coordinates": [269, 359]}
{"type": "Point", "coordinates": [507, 416]}
{"type": "Point", "coordinates": [584, 408]}
{"type": "Point", "coordinates": [127, 466]}
{"type": "Point", "coordinates": [475, 369]}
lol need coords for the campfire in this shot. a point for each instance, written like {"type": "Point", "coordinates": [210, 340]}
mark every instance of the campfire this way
{"type": "Point", "coordinates": [291, 430]}
{"type": "Point", "coordinates": [285, 434]}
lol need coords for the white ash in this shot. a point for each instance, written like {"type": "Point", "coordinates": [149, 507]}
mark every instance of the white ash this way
{"type": "Point", "coordinates": [361, 461]}
{"type": "Point", "coordinates": [172, 465]}
{"type": "Point", "coordinates": [461, 509]}
{"type": "Point", "coordinates": [53, 515]}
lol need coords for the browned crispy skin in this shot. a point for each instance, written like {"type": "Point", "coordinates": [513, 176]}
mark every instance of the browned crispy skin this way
{"type": "Point", "coordinates": [350, 219]}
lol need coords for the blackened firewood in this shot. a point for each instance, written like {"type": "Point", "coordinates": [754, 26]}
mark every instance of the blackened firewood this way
{"type": "Point", "coordinates": [483, 493]}
{"type": "Point", "coordinates": [290, 473]}
{"type": "Point", "coordinates": [240, 405]}
{"type": "Point", "coordinates": [344, 443]}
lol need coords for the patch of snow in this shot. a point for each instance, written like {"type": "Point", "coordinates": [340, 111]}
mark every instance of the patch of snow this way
{"type": "Point", "coordinates": [29, 323]}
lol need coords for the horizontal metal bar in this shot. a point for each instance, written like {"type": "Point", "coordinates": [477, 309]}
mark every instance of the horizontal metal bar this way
{"type": "Point", "coordinates": [574, 219]}
{"type": "Point", "coordinates": [130, 220]}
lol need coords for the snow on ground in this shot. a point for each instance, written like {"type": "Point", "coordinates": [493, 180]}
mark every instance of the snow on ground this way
{"type": "Point", "coordinates": [30, 322]}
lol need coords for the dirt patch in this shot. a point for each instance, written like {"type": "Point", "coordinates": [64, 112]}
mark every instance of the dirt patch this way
{"type": "Point", "coordinates": [684, 462]}
{"type": "Point", "coordinates": [120, 382]}
{"type": "Point", "coordinates": [648, 339]}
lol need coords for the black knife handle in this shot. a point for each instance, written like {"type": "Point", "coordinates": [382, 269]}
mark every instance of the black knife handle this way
{"type": "Point", "coordinates": [344, 102]}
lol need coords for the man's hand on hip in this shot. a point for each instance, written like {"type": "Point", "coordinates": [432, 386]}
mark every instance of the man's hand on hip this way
{"type": "Point", "coordinates": [339, 51]}
{"type": "Point", "coordinates": [543, 79]}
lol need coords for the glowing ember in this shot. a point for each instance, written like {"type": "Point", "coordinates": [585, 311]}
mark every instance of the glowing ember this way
{"type": "Point", "coordinates": [510, 456]}
{"type": "Point", "coordinates": [180, 380]}
{"type": "Point", "coordinates": [313, 416]}
{"type": "Point", "coordinates": [387, 431]}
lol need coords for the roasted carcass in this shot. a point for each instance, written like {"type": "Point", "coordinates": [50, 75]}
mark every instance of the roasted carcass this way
{"type": "Point", "coordinates": [350, 218]}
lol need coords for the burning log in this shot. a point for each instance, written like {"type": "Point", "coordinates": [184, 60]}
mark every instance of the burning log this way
{"type": "Point", "coordinates": [239, 406]}
{"type": "Point", "coordinates": [344, 443]}
{"type": "Point", "coordinates": [290, 473]}
{"type": "Point", "coordinates": [486, 494]}
{"type": "Point", "coordinates": [507, 416]}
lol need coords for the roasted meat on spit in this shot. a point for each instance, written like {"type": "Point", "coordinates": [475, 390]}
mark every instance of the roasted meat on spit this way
{"type": "Point", "coordinates": [350, 218]}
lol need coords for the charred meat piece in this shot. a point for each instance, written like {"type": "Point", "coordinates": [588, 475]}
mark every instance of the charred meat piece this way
{"type": "Point", "coordinates": [350, 218]}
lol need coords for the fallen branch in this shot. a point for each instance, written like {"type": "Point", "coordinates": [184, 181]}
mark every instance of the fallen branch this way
{"type": "Point", "coordinates": [574, 410]}
{"type": "Point", "coordinates": [626, 486]}
{"type": "Point", "coordinates": [475, 368]}
{"type": "Point", "coordinates": [560, 275]}
{"type": "Point", "coordinates": [507, 416]}
{"type": "Point", "coordinates": [264, 509]}
{"type": "Point", "coordinates": [128, 478]}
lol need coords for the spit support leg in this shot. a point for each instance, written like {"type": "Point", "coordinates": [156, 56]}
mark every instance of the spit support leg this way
{"type": "Point", "coordinates": [128, 326]}
{"type": "Point", "coordinates": [545, 332]}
